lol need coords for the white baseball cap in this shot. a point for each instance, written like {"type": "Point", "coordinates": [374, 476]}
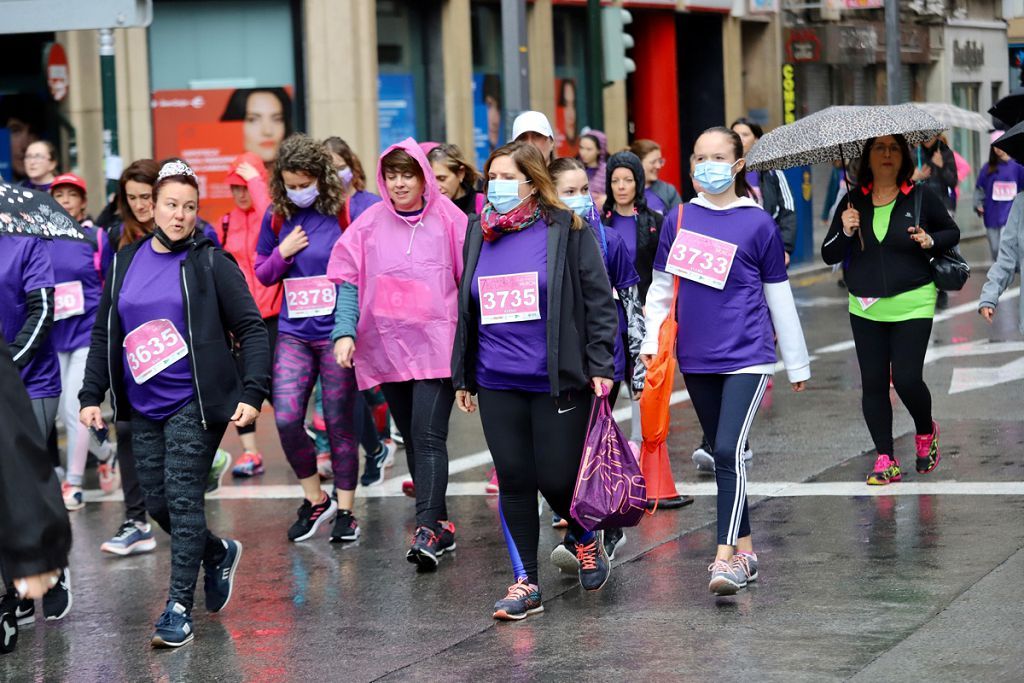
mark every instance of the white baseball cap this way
{"type": "Point", "coordinates": [531, 121]}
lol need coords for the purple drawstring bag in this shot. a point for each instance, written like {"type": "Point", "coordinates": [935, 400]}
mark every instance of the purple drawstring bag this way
{"type": "Point", "coordinates": [610, 488]}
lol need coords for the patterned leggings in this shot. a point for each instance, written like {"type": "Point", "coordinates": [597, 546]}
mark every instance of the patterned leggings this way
{"type": "Point", "coordinates": [173, 458]}
{"type": "Point", "coordinates": [297, 364]}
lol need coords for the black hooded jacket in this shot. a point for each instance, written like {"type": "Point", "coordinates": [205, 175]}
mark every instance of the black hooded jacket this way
{"type": "Point", "coordinates": [648, 221]}
{"type": "Point", "coordinates": [218, 306]}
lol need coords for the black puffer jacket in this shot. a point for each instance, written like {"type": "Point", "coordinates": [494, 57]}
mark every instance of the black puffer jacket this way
{"type": "Point", "coordinates": [897, 264]}
{"type": "Point", "coordinates": [218, 305]}
{"type": "Point", "coordinates": [648, 221]}
{"type": "Point", "coordinates": [582, 318]}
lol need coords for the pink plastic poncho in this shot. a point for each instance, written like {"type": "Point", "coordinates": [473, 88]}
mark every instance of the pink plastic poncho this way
{"type": "Point", "coordinates": [407, 270]}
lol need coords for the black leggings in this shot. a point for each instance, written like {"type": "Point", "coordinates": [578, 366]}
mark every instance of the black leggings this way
{"type": "Point", "coordinates": [173, 457]}
{"type": "Point", "coordinates": [726, 406]}
{"type": "Point", "coordinates": [134, 501]}
{"type": "Point", "coordinates": [898, 348]}
{"type": "Point", "coordinates": [421, 409]}
{"type": "Point", "coordinates": [536, 442]}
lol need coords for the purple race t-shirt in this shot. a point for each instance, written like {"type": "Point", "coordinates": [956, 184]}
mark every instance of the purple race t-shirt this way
{"type": "Point", "coordinates": [322, 232]}
{"type": "Point", "coordinates": [654, 201]}
{"type": "Point", "coordinates": [513, 356]}
{"type": "Point", "coordinates": [75, 261]}
{"type": "Point", "coordinates": [25, 267]}
{"type": "Point", "coordinates": [359, 202]}
{"type": "Point", "coordinates": [152, 291]}
{"type": "Point", "coordinates": [754, 181]}
{"type": "Point", "coordinates": [625, 226]}
{"type": "Point", "coordinates": [726, 330]}
{"type": "Point", "coordinates": [622, 275]}
{"type": "Point", "coordinates": [1000, 188]}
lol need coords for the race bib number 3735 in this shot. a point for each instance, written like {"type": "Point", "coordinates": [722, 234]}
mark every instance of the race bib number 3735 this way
{"type": "Point", "coordinates": [509, 298]}
{"type": "Point", "coordinates": [701, 258]}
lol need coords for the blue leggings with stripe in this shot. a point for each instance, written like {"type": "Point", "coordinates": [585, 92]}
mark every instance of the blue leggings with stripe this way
{"type": "Point", "coordinates": [726, 406]}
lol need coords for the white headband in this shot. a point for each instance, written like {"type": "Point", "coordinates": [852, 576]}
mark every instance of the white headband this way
{"type": "Point", "coordinates": [175, 168]}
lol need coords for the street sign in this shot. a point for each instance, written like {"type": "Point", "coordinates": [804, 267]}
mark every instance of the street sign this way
{"type": "Point", "coordinates": [37, 16]}
{"type": "Point", "coordinates": [57, 73]}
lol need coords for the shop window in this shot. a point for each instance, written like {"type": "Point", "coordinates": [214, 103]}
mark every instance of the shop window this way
{"type": "Point", "coordinates": [572, 104]}
{"type": "Point", "coordinates": [488, 101]}
{"type": "Point", "coordinates": [964, 141]}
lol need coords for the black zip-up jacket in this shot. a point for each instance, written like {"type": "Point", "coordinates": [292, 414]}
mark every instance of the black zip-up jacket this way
{"type": "Point", "coordinates": [942, 181]}
{"type": "Point", "coordinates": [218, 305]}
{"type": "Point", "coordinates": [897, 264]}
{"type": "Point", "coordinates": [777, 200]}
{"type": "Point", "coordinates": [648, 221]}
{"type": "Point", "coordinates": [35, 533]}
{"type": "Point", "coordinates": [582, 319]}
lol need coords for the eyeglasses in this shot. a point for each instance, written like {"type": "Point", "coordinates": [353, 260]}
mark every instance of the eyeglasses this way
{"type": "Point", "coordinates": [37, 157]}
{"type": "Point", "coordinates": [882, 149]}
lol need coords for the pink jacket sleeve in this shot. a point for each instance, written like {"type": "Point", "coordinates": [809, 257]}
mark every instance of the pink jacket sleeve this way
{"type": "Point", "coordinates": [346, 262]}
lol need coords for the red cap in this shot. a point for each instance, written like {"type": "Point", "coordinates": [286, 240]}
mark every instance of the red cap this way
{"type": "Point", "coordinates": [247, 158]}
{"type": "Point", "coordinates": [68, 179]}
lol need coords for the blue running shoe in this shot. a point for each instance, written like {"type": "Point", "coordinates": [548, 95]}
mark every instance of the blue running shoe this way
{"type": "Point", "coordinates": [174, 627]}
{"type": "Point", "coordinates": [220, 578]}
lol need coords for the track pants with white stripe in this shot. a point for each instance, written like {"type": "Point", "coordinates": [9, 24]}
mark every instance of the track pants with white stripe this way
{"type": "Point", "coordinates": [726, 406]}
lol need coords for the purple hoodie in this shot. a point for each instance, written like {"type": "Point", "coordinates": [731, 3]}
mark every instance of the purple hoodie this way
{"type": "Point", "coordinates": [596, 176]}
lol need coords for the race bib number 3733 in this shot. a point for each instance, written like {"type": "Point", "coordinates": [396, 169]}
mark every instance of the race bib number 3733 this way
{"type": "Point", "coordinates": [509, 298]}
{"type": "Point", "coordinates": [701, 258]}
{"type": "Point", "coordinates": [153, 347]}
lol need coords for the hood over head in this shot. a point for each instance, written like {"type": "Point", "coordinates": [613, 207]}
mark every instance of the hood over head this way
{"type": "Point", "coordinates": [602, 142]}
{"type": "Point", "coordinates": [626, 159]}
{"type": "Point", "coordinates": [431, 192]}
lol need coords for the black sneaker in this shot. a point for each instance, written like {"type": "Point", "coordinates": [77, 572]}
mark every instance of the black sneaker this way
{"type": "Point", "coordinates": [219, 579]}
{"type": "Point", "coordinates": [373, 472]}
{"type": "Point", "coordinates": [425, 549]}
{"type": "Point", "coordinates": [594, 565]}
{"type": "Point", "coordinates": [522, 600]}
{"type": "Point", "coordinates": [57, 601]}
{"type": "Point", "coordinates": [25, 612]}
{"type": "Point", "coordinates": [174, 627]}
{"type": "Point", "coordinates": [564, 555]}
{"type": "Point", "coordinates": [446, 539]}
{"type": "Point", "coordinates": [8, 623]}
{"type": "Point", "coordinates": [346, 528]}
{"type": "Point", "coordinates": [311, 518]}
{"type": "Point", "coordinates": [613, 538]}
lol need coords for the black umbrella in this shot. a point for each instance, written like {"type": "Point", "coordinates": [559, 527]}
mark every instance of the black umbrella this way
{"type": "Point", "coordinates": [1009, 110]}
{"type": "Point", "coordinates": [1012, 142]}
{"type": "Point", "coordinates": [35, 214]}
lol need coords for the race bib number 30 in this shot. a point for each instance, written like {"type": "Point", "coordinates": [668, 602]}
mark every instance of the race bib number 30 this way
{"type": "Point", "coordinates": [701, 258]}
{"type": "Point", "coordinates": [309, 297]}
{"type": "Point", "coordinates": [1004, 191]}
{"type": "Point", "coordinates": [509, 298]}
{"type": "Point", "coordinates": [152, 348]}
{"type": "Point", "coordinates": [68, 300]}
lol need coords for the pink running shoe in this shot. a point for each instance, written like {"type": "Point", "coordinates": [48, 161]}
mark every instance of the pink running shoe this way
{"type": "Point", "coordinates": [886, 471]}
{"type": "Point", "coordinates": [109, 475]}
{"type": "Point", "coordinates": [323, 466]}
{"type": "Point", "coordinates": [927, 450]}
{"type": "Point", "coordinates": [492, 482]}
{"type": "Point", "coordinates": [409, 488]}
{"type": "Point", "coordinates": [249, 464]}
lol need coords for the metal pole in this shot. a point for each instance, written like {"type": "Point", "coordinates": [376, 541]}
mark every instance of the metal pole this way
{"type": "Point", "coordinates": [109, 85]}
{"type": "Point", "coordinates": [894, 86]}
{"type": "Point", "coordinates": [595, 80]}
{"type": "Point", "coordinates": [515, 62]}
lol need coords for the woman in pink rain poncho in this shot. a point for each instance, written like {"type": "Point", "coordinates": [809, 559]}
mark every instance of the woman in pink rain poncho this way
{"type": "Point", "coordinates": [398, 266]}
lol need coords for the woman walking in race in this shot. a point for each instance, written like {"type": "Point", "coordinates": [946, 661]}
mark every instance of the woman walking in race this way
{"type": "Point", "coordinates": [238, 233]}
{"type": "Point", "coordinates": [998, 185]}
{"type": "Point", "coordinates": [573, 188]}
{"type": "Point", "coordinates": [294, 247]}
{"type": "Point", "coordinates": [79, 269]}
{"type": "Point", "coordinates": [536, 336]}
{"type": "Point", "coordinates": [593, 152]}
{"type": "Point", "coordinates": [161, 347]}
{"type": "Point", "coordinates": [399, 267]}
{"type": "Point", "coordinates": [135, 205]}
{"type": "Point", "coordinates": [721, 262]}
{"type": "Point", "coordinates": [769, 188]}
{"type": "Point", "coordinates": [1011, 257]}
{"type": "Point", "coordinates": [456, 177]}
{"type": "Point", "coordinates": [892, 296]}
{"type": "Point", "coordinates": [658, 195]}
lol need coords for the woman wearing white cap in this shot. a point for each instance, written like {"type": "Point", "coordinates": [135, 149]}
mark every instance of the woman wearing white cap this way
{"type": "Point", "coordinates": [533, 128]}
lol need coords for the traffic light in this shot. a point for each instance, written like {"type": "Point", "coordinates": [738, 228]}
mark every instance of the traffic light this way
{"type": "Point", "coordinates": [615, 41]}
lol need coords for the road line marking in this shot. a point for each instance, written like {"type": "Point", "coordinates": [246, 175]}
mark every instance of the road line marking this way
{"type": "Point", "coordinates": [777, 489]}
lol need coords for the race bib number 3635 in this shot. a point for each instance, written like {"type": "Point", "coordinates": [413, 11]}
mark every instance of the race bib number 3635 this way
{"type": "Point", "coordinates": [152, 348]}
{"type": "Point", "coordinates": [509, 298]}
{"type": "Point", "coordinates": [701, 258]}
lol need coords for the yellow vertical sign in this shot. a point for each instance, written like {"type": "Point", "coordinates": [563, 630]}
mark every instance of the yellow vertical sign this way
{"type": "Point", "coordinates": [788, 94]}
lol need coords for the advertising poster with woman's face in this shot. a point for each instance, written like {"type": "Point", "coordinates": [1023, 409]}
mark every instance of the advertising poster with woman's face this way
{"type": "Point", "coordinates": [209, 128]}
{"type": "Point", "coordinates": [487, 115]}
{"type": "Point", "coordinates": [566, 126]}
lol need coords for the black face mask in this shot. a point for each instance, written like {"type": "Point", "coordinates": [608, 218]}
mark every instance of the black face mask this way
{"type": "Point", "coordinates": [180, 245]}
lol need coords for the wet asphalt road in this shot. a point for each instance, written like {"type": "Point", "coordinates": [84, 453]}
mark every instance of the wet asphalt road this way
{"type": "Point", "coordinates": [918, 579]}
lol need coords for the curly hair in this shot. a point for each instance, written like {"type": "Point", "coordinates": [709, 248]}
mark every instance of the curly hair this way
{"type": "Point", "coordinates": [300, 153]}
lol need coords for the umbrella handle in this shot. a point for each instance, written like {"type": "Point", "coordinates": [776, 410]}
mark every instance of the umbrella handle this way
{"type": "Point", "coordinates": [849, 192]}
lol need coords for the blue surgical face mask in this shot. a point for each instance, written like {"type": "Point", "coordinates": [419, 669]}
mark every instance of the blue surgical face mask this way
{"type": "Point", "coordinates": [715, 176]}
{"type": "Point", "coordinates": [504, 194]}
{"type": "Point", "coordinates": [345, 175]}
{"type": "Point", "coordinates": [305, 197]}
{"type": "Point", "coordinates": [581, 204]}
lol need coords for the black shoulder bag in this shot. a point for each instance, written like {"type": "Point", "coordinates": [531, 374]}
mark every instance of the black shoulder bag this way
{"type": "Point", "coordinates": [949, 269]}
